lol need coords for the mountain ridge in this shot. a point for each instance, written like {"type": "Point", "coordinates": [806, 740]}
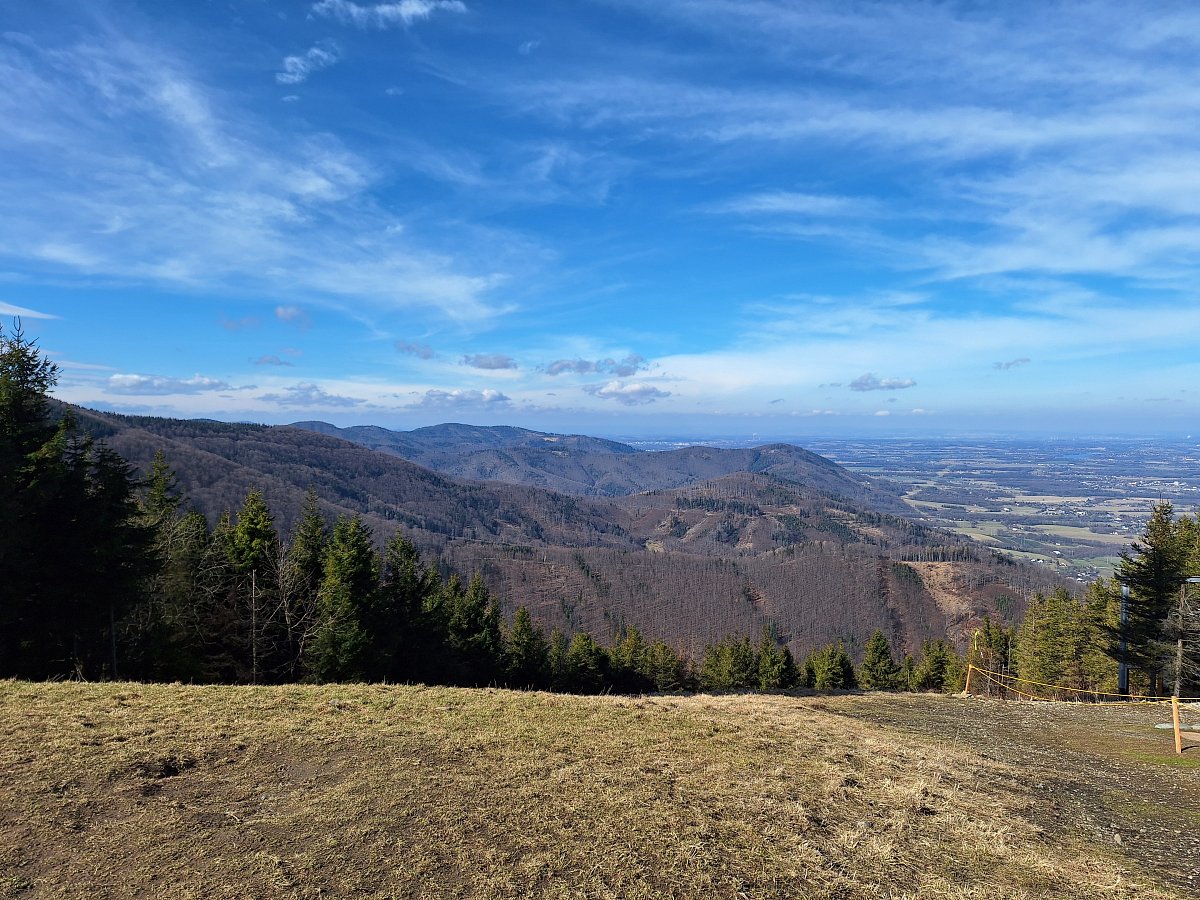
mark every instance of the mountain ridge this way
{"type": "Point", "coordinates": [689, 563]}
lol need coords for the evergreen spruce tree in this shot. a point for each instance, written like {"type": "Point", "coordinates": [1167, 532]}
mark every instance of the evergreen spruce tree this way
{"type": "Point", "coordinates": [629, 662]}
{"type": "Point", "coordinates": [776, 667]}
{"type": "Point", "coordinates": [940, 668]}
{"type": "Point", "coordinates": [729, 665]}
{"type": "Point", "coordinates": [586, 664]}
{"type": "Point", "coordinates": [159, 644]}
{"type": "Point", "coordinates": [402, 639]}
{"type": "Point", "coordinates": [73, 551]}
{"type": "Point", "coordinates": [255, 555]}
{"type": "Point", "coordinates": [528, 654]}
{"type": "Point", "coordinates": [879, 671]}
{"type": "Point", "coordinates": [1153, 570]}
{"type": "Point", "coordinates": [908, 672]}
{"type": "Point", "coordinates": [560, 676]}
{"type": "Point", "coordinates": [300, 576]}
{"type": "Point", "coordinates": [473, 625]}
{"type": "Point", "coordinates": [668, 669]}
{"type": "Point", "coordinates": [341, 644]}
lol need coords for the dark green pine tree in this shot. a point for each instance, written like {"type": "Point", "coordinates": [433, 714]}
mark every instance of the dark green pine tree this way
{"type": "Point", "coordinates": [300, 577]}
{"type": "Point", "coordinates": [341, 644]}
{"type": "Point", "coordinates": [776, 667]}
{"type": "Point", "coordinates": [629, 662]}
{"type": "Point", "coordinates": [940, 668]}
{"type": "Point", "coordinates": [254, 552]}
{"type": "Point", "coordinates": [560, 676]}
{"type": "Point", "coordinates": [586, 665]}
{"type": "Point", "coordinates": [729, 665]}
{"type": "Point", "coordinates": [73, 551]}
{"type": "Point", "coordinates": [878, 671]}
{"type": "Point", "coordinates": [155, 633]}
{"type": "Point", "coordinates": [473, 627]}
{"type": "Point", "coordinates": [668, 670]}
{"type": "Point", "coordinates": [527, 656]}
{"type": "Point", "coordinates": [1153, 569]}
{"type": "Point", "coordinates": [404, 639]}
{"type": "Point", "coordinates": [830, 668]}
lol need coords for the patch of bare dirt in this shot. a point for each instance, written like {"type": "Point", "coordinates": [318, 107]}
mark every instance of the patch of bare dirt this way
{"type": "Point", "coordinates": [1103, 770]}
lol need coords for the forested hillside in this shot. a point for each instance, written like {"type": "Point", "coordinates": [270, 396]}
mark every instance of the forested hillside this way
{"type": "Point", "coordinates": [722, 583]}
{"type": "Point", "coordinates": [731, 554]}
{"type": "Point", "coordinates": [587, 466]}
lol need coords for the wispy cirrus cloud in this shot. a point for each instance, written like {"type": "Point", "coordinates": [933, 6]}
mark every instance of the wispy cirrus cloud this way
{"type": "Point", "coordinates": [385, 15]}
{"type": "Point", "coordinates": [210, 197]}
{"type": "Point", "coordinates": [1011, 364]}
{"type": "Point", "coordinates": [296, 69]}
{"type": "Point", "coordinates": [293, 315]}
{"type": "Point", "coordinates": [791, 203]}
{"type": "Point", "coordinates": [21, 312]}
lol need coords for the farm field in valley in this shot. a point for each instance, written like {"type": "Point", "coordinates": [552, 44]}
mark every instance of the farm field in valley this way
{"type": "Point", "coordinates": [1070, 504]}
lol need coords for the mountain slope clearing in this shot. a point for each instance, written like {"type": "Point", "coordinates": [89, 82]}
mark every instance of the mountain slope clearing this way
{"type": "Point", "coordinates": [304, 791]}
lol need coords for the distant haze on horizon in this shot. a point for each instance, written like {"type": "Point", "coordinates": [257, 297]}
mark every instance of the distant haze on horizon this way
{"type": "Point", "coordinates": [628, 218]}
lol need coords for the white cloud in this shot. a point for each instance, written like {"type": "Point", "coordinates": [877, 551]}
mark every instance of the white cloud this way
{"type": "Point", "coordinates": [490, 361]}
{"type": "Point", "coordinates": [871, 382]}
{"type": "Point", "coordinates": [461, 399]}
{"type": "Point", "coordinates": [296, 69]}
{"type": "Point", "coordinates": [268, 360]}
{"type": "Point", "coordinates": [411, 348]}
{"type": "Point", "coordinates": [159, 385]}
{"type": "Point", "coordinates": [629, 394]}
{"type": "Point", "coordinates": [211, 198]}
{"type": "Point", "coordinates": [797, 204]}
{"type": "Point", "coordinates": [309, 395]}
{"type": "Point", "coordinates": [385, 15]}
{"type": "Point", "coordinates": [1011, 364]}
{"type": "Point", "coordinates": [622, 368]}
{"type": "Point", "coordinates": [21, 312]}
{"type": "Point", "coordinates": [293, 315]}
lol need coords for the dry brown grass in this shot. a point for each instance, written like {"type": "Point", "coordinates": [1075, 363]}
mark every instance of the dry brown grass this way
{"type": "Point", "coordinates": [175, 791]}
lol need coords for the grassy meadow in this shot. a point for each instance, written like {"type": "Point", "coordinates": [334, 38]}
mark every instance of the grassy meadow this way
{"type": "Point", "coordinates": [122, 790]}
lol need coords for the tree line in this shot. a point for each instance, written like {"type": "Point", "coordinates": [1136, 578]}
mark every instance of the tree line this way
{"type": "Point", "coordinates": [108, 576]}
{"type": "Point", "coordinates": [1075, 642]}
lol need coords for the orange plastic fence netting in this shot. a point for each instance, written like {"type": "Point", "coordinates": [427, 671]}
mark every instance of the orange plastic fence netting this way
{"type": "Point", "coordinates": [1005, 681]}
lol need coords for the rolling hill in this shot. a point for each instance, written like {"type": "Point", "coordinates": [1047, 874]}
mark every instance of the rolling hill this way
{"type": "Point", "coordinates": [715, 552]}
{"type": "Point", "coordinates": [586, 466]}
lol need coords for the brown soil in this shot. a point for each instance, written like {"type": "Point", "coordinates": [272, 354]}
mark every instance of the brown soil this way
{"type": "Point", "coordinates": [1104, 771]}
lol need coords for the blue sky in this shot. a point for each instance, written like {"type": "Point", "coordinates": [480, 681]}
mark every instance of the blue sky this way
{"type": "Point", "coordinates": [717, 217]}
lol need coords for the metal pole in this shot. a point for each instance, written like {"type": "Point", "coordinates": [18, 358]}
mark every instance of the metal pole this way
{"type": "Point", "coordinates": [1123, 665]}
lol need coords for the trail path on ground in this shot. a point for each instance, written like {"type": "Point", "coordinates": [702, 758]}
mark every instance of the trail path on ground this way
{"type": "Point", "coordinates": [1115, 777]}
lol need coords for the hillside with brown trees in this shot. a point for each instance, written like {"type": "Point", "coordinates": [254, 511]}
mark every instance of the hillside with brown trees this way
{"type": "Point", "coordinates": [707, 556]}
